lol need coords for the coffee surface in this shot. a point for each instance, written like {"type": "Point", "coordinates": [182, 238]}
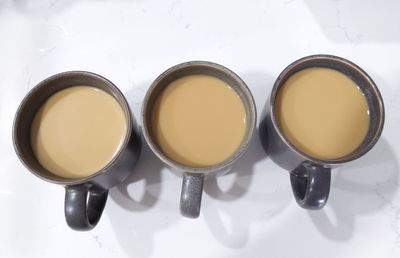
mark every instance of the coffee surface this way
{"type": "Point", "coordinates": [323, 113]}
{"type": "Point", "coordinates": [198, 121]}
{"type": "Point", "coordinates": [78, 131]}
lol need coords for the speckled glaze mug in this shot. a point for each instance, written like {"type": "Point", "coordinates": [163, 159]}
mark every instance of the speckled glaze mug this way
{"type": "Point", "coordinates": [86, 197]}
{"type": "Point", "coordinates": [193, 177]}
{"type": "Point", "coordinates": [310, 177]}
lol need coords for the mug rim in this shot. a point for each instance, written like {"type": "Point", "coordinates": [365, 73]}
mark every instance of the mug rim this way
{"type": "Point", "coordinates": [44, 83]}
{"type": "Point", "coordinates": [328, 58]}
{"type": "Point", "coordinates": [238, 152]}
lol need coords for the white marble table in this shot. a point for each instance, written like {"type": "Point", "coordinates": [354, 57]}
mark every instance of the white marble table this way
{"type": "Point", "coordinates": [248, 213]}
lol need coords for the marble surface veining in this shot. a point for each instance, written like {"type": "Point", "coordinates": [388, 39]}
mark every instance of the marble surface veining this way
{"type": "Point", "coordinates": [247, 213]}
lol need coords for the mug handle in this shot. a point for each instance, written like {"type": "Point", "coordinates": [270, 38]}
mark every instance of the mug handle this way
{"type": "Point", "coordinates": [311, 185]}
{"type": "Point", "coordinates": [192, 190]}
{"type": "Point", "coordinates": [82, 212]}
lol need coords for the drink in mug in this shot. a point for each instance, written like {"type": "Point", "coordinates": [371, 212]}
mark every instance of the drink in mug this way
{"type": "Point", "coordinates": [198, 118]}
{"type": "Point", "coordinates": [323, 111]}
{"type": "Point", "coordinates": [78, 131]}
{"type": "Point", "coordinates": [198, 121]}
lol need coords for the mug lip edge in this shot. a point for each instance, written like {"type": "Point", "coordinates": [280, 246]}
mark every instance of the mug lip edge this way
{"type": "Point", "coordinates": [206, 169]}
{"type": "Point", "coordinates": [327, 162]}
{"type": "Point", "coordinates": [79, 180]}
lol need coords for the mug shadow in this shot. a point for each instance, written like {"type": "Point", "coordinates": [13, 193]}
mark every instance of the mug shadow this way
{"type": "Point", "coordinates": [243, 171]}
{"type": "Point", "coordinates": [229, 224]}
{"type": "Point", "coordinates": [134, 218]}
{"type": "Point", "coordinates": [365, 186]}
{"type": "Point", "coordinates": [147, 170]}
{"type": "Point", "coordinates": [361, 187]}
{"type": "Point", "coordinates": [136, 195]}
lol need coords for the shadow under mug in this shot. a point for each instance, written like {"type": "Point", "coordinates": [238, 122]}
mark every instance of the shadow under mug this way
{"type": "Point", "coordinates": [86, 197]}
{"type": "Point", "coordinates": [193, 177]}
{"type": "Point", "coordinates": [310, 177]}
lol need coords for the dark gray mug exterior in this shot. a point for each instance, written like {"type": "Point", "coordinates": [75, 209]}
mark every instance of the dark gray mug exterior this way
{"type": "Point", "coordinates": [310, 177]}
{"type": "Point", "coordinates": [193, 177]}
{"type": "Point", "coordinates": [85, 197]}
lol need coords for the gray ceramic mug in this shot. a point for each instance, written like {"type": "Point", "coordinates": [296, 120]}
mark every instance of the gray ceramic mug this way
{"type": "Point", "coordinates": [193, 177]}
{"type": "Point", "coordinates": [86, 197]}
{"type": "Point", "coordinates": [310, 177]}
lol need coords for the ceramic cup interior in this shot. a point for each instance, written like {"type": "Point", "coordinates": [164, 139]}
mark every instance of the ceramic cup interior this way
{"type": "Point", "coordinates": [363, 81]}
{"type": "Point", "coordinates": [37, 97]}
{"type": "Point", "coordinates": [192, 68]}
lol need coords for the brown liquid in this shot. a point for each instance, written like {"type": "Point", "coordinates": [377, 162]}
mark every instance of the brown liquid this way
{"type": "Point", "coordinates": [78, 131]}
{"type": "Point", "coordinates": [198, 121]}
{"type": "Point", "coordinates": [323, 113]}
